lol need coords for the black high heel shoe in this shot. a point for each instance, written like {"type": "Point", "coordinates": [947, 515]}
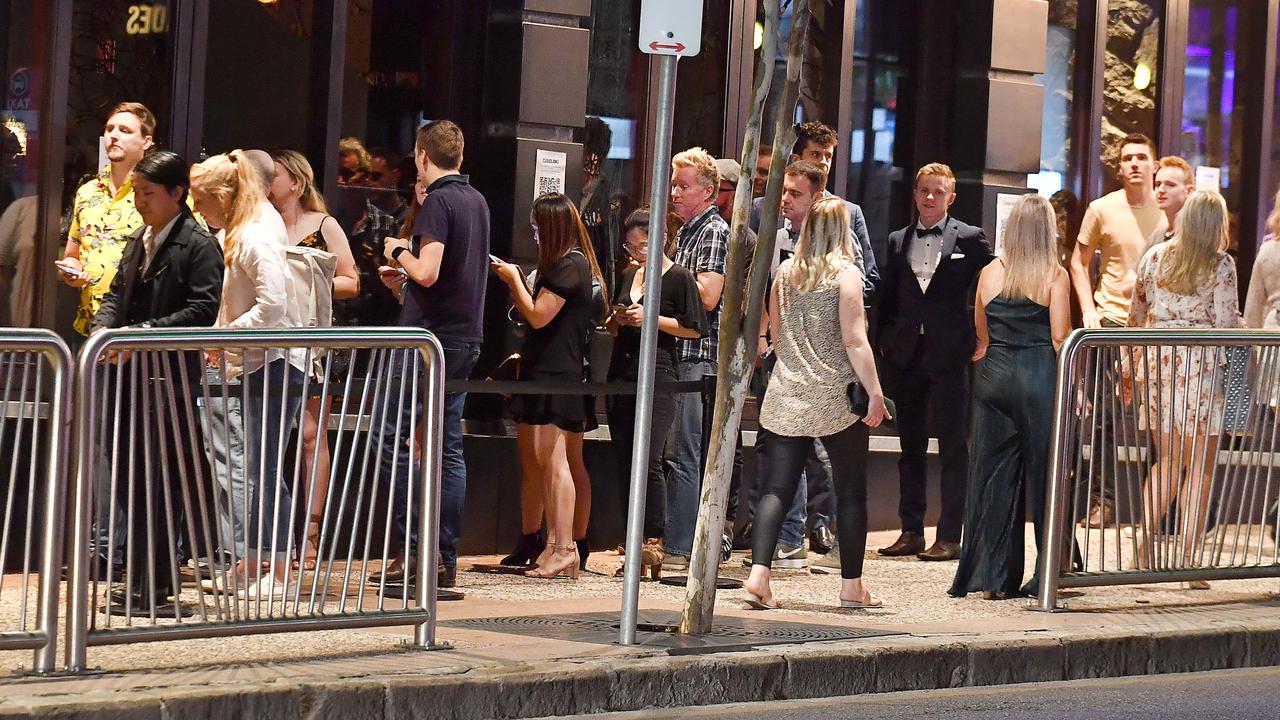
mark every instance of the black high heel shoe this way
{"type": "Point", "coordinates": [584, 549]}
{"type": "Point", "coordinates": [527, 550]}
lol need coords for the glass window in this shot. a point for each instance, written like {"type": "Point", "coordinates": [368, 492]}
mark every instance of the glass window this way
{"type": "Point", "coordinates": [1131, 70]}
{"type": "Point", "coordinates": [875, 175]}
{"type": "Point", "coordinates": [701, 86]}
{"type": "Point", "coordinates": [22, 36]}
{"type": "Point", "coordinates": [1056, 172]}
{"type": "Point", "coordinates": [258, 75]}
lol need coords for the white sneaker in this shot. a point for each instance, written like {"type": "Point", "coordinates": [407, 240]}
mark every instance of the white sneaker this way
{"type": "Point", "coordinates": [266, 588]}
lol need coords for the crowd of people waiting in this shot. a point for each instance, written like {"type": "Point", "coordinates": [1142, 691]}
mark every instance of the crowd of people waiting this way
{"type": "Point", "coordinates": [1161, 257]}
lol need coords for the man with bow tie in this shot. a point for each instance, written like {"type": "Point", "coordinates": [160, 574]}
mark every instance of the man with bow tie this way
{"type": "Point", "coordinates": [926, 338]}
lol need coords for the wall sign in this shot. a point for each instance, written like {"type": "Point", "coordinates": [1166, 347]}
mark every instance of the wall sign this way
{"type": "Point", "coordinates": [147, 19]}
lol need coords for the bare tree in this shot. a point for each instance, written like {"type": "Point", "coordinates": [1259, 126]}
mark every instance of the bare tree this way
{"type": "Point", "coordinates": [740, 314]}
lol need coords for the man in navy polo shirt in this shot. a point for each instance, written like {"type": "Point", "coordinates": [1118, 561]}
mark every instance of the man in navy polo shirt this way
{"type": "Point", "coordinates": [445, 272]}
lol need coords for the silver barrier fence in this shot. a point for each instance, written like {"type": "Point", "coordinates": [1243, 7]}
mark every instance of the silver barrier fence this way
{"type": "Point", "coordinates": [35, 369]}
{"type": "Point", "coordinates": [1163, 462]}
{"type": "Point", "coordinates": [204, 508]}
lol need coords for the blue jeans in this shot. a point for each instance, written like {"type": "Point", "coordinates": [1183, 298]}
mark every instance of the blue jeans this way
{"type": "Point", "coordinates": [459, 359]}
{"type": "Point", "coordinates": [684, 458]}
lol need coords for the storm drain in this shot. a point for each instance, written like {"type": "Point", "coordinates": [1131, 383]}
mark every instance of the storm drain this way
{"type": "Point", "coordinates": [657, 629]}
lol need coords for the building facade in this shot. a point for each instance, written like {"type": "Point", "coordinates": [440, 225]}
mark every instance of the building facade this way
{"type": "Point", "coordinates": [1015, 94]}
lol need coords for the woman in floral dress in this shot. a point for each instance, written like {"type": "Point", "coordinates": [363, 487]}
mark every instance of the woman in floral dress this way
{"type": "Point", "coordinates": [1187, 282]}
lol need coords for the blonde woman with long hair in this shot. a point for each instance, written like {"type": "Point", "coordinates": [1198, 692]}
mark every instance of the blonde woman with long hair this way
{"type": "Point", "coordinates": [1022, 313]}
{"type": "Point", "coordinates": [294, 194]}
{"type": "Point", "coordinates": [1187, 282]}
{"type": "Point", "coordinates": [820, 341]}
{"type": "Point", "coordinates": [256, 287]}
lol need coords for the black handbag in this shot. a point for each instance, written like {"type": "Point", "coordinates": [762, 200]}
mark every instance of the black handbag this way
{"type": "Point", "coordinates": [860, 401]}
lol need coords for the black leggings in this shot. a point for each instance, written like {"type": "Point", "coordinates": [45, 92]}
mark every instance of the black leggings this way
{"type": "Point", "coordinates": [787, 455]}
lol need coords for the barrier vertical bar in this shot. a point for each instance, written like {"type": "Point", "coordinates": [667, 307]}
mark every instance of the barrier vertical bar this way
{"type": "Point", "coordinates": [78, 571]}
{"type": "Point", "coordinates": [1054, 516]}
{"type": "Point", "coordinates": [648, 350]}
{"type": "Point", "coordinates": [59, 356]}
{"type": "Point", "coordinates": [430, 467]}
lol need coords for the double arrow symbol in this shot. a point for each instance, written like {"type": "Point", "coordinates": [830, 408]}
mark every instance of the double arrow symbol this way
{"type": "Point", "coordinates": [656, 46]}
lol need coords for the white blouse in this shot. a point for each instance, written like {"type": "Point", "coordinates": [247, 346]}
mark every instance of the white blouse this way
{"type": "Point", "coordinates": [257, 289]}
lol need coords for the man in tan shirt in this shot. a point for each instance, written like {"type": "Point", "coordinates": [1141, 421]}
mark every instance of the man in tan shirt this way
{"type": "Point", "coordinates": [1117, 226]}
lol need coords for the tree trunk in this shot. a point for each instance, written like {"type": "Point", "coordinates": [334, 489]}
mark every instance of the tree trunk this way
{"type": "Point", "coordinates": [740, 313]}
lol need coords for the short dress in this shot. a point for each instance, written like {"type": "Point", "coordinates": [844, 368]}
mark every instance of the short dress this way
{"type": "Point", "coordinates": [556, 351]}
{"type": "Point", "coordinates": [807, 389]}
{"type": "Point", "coordinates": [1183, 385]}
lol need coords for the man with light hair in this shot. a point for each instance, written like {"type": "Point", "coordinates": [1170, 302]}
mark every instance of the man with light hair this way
{"type": "Point", "coordinates": [1175, 180]}
{"type": "Point", "coordinates": [927, 339]}
{"type": "Point", "coordinates": [701, 248]}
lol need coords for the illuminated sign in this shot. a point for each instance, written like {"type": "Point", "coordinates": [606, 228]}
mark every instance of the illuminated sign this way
{"type": "Point", "coordinates": [147, 19]}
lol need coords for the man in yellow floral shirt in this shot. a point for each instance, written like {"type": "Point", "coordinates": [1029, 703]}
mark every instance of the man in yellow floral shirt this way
{"type": "Point", "coordinates": [103, 216]}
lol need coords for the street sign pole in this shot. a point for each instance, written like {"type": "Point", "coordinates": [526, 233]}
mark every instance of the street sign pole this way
{"type": "Point", "coordinates": [669, 29]}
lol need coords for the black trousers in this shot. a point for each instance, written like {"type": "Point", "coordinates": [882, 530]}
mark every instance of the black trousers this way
{"type": "Point", "coordinates": [157, 476]}
{"type": "Point", "coordinates": [621, 410]}
{"type": "Point", "coordinates": [787, 455]}
{"type": "Point", "coordinates": [945, 395]}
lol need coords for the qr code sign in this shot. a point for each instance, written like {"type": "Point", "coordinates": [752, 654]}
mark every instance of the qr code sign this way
{"type": "Point", "coordinates": [548, 185]}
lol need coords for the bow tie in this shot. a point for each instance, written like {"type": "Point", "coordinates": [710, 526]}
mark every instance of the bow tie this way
{"type": "Point", "coordinates": [935, 230]}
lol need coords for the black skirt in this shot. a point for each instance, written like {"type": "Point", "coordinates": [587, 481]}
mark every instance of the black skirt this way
{"type": "Point", "coordinates": [571, 413]}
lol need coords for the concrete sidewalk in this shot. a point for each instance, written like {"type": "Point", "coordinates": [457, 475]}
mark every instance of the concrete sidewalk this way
{"type": "Point", "coordinates": [525, 648]}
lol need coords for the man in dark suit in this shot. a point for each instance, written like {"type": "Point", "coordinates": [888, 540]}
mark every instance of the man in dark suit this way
{"type": "Point", "coordinates": [170, 276]}
{"type": "Point", "coordinates": [926, 338]}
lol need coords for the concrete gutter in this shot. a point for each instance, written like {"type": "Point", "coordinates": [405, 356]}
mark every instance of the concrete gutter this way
{"type": "Point", "coordinates": [636, 682]}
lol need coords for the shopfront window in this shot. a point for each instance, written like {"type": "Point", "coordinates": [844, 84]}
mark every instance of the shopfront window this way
{"type": "Point", "coordinates": [1056, 172]}
{"type": "Point", "coordinates": [23, 33]}
{"type": "Point", "coordinates": [878, 72]}
{"type": "Point", "coordinates": [1130, 93]}
{"type": "Point", "coordinates": [258, 75]}
{"type": "Point", "coordinates": [702, 82]}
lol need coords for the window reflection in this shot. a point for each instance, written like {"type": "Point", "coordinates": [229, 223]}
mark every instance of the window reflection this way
{"type": "Point", "coordinates": [1130, 91]}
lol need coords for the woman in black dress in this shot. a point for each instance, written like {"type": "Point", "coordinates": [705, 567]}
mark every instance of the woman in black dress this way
{"type": "Point", "coordinates": [680, 315]}
{"type": "Point", "coordinates": [1022, 314]}
{"type": "Point", "coordinates": [561, 316]}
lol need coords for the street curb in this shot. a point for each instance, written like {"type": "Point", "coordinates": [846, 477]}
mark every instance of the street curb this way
{"type": "Point", "coordinates": [565, 687]}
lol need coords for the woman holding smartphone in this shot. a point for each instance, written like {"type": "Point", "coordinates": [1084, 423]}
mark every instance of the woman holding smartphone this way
{"type": "Point", "coordinates": [680, 315]}
{"type": "Point", "coordinates": [561, 316]}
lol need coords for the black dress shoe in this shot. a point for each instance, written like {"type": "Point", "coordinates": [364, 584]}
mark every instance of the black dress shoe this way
{"type": "Point", "coordinates": [908, 543]}
{"type": "Point", "coordinates": [742, 539]}
{"type": "Point", "coordinates": [140, 605]}
{"type": "Point", "coordinates": [446, 576]}
{"type": "Point", "coordinates": [821, 540]}
{"type": "Point", "coordinates": [941, 551]}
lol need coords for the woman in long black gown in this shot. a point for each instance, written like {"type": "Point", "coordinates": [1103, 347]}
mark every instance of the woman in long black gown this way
{"type": "Point", "coordinates": [1022, 314]}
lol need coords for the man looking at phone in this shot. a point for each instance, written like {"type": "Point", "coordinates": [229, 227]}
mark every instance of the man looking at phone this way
{"type": "Point", "coordinates": [103, 216]}
{"type": "Point", "coordinates": [446, 269]}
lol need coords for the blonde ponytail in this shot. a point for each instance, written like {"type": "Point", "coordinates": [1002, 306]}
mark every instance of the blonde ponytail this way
{"type": "Point", "coordinates": [231, 179]}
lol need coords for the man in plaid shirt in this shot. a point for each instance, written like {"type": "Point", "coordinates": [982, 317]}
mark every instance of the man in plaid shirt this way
{"type": "Point", "coordinates": [703, 243]}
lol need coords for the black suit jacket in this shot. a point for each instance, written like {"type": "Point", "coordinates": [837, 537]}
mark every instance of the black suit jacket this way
{"type": "Point", "coordinates": [933, 329]}
{"type": "Point", "coordinates": [182, 286]}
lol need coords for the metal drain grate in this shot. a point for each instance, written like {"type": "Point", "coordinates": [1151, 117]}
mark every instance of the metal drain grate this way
{"type": "Point", "coordinates": [657, 630]}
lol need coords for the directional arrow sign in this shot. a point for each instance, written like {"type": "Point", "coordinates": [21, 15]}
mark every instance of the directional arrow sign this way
{"type": "Point", "coordinates": [671, 27]}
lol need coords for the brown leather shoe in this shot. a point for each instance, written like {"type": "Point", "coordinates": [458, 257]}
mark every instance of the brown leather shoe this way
{"type": "Point", "coordinates": [941, 551]}
{"type": "Point", "coordinates": [1101, 515]}
{"type": "Point", "coordinates": [908, 543]}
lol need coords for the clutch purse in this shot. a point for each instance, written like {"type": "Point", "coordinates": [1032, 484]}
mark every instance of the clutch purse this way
{"type": "Point", "coordinates": [859, 400]}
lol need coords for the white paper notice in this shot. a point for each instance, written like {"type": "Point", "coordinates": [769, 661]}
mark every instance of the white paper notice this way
{"type": "Point", "coordinates": [1209, 178]}
{"type": "Point", "coordinates": [1004, 207]}
{"type": "Point", "coordinates": [549, 172]}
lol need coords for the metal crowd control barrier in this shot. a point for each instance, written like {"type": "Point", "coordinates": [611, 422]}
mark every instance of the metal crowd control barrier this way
{"type": "Point", "coordinates": [200, 511]}
{"type": "Point", "coordinates": [1163, 464]}
{"type": "Point", "coordinates": [35, 368]}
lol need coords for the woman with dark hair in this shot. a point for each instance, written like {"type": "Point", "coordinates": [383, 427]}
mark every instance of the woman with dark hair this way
{"type": "Point", "coordinates": [680, 315]}
{"type": "Point", "coordinates": [561, 316]}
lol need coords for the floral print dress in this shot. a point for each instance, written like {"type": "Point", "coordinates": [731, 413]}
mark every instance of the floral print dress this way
{"type": "Point", "coordinates": [1184, 384]}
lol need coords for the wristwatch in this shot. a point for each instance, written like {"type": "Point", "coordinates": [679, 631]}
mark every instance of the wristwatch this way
{"type": "Point", "coordinates": [395, 254]}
